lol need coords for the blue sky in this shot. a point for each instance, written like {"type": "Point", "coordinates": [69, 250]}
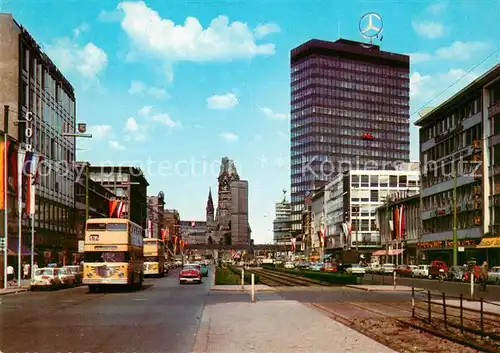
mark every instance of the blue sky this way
{"type": "Point", "coordinates": [174, 100]}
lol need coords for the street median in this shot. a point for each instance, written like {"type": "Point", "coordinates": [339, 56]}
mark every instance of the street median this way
{"type": "Point", "coordinates": [334, 278]}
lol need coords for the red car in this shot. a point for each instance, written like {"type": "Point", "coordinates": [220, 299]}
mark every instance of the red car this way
{"type": "Point", "coordinates": [190, 273]}
{"type": "Point", "coordinates": [329, 267]}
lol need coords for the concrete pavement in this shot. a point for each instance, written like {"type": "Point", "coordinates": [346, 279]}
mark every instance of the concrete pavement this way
{"type": "Point", "coordinates": [276, 326]}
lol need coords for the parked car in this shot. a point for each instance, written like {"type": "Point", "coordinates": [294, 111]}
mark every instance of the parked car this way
{"type": "Point", "coordinates": [421, 271]}
{"type": "Point", "coordinates": [77, 272]}
{"type": "Point", "coordinates": [436, 267]}
{"type": "Point", "coordinates": [330, 267]}
{"type": "Point", "coordinates": [289, 265]}
{"type": "Point", "coordinates": [477, 273]}
{"type": "Point", "coordinates": [388, 268]}
{"type": "Point", "coordinates": [315, 266]}
{"type": "Point", "coordinates": [356, 269]}
{"type": "Point", "coordinates": [403, 270]}
{"type": "Point", "coordinates": [190, 273]}
{"type": "Point", "coordinates": [494, 275]}
{"type": "Point", "coordinates": [456, 273]}
{"type": "Point", "coordinates": [373, 268]}
{"type": "Point", "coordinates": [67, 278]}
{"type": "Point", "coordinates": [45, 278]}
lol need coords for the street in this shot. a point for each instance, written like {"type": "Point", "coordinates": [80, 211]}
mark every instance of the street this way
{"type": "Point", "coordinates": [162, 317]}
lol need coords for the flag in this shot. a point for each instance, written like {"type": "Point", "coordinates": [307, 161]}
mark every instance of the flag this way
{"type": "Point", "coordinates": [193, 224]}
{"type": "Point", "coordinates": [3, 182]}
{"type": "Point", "coordinates": [150, 228]}
{"type": "Point", "coordinates": [294, 242]}
{"type": "Point", "coordinates": [163, 234]}
{"type": "Point", "coordinates": [119, 209]}
{"type": "Point", "coordinates": [29, 168]}
{"type": "Point", "coordinates": [12, 167]}
{"type": "Point", "coordinates": [37, 172]}
{"type": "Point", "coordinates": [112, 207]}
{"type": "Point", "coordinates": [116, 208]}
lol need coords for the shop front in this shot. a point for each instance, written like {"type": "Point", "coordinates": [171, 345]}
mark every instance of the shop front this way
{"type": "Point", "coordinates": [55, 247]}
{"type": "Point", "coordinates": [443, 250]}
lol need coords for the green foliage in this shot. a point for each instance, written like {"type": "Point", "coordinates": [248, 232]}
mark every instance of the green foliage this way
{"type": "Point", "coordinates": [339, 278]}
{"type": "Point", "coordinates": [224, 276]}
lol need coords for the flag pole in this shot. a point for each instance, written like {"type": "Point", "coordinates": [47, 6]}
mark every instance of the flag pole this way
{"type": "Point", "coordinates": [20, 170]}
{"type": "Point", "coordinates": [5, 176]}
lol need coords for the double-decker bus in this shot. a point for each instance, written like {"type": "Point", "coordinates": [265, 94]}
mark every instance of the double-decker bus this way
{"type": "Point", "coordinates": [113, 253]}
{"type": "Point", "coordinates": [154, 257]}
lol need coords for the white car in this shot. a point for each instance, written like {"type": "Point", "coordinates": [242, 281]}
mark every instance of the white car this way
{"type": "Point", "coordinates": [494, 275]}
{"type": "Point", "coordinates": [68, 279]}
{"type": "Point", "coordinates": [422, 271]}
{"type": "Point", "coordinates": [46, 278]}
{"type": "Point", "coordinates": [289, 265]}
{"type": "Point", "coordinates": [356, 269]}
{"type": "Point", "coordinates": [388, 268]}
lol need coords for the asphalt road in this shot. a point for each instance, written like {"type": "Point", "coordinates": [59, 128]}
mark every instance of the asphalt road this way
{"type": "Point", "coordinates": [162, 317]}
{"type": "Point", "coordinates": [453, 288]}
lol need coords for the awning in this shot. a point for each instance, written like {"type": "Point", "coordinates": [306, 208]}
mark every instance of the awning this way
{"type": "Point", "coordinates": [393, 252]}
{"type": "Point", "coordinates": [489, 243]}
{"type": "Point", "coordinates": [13, 248]}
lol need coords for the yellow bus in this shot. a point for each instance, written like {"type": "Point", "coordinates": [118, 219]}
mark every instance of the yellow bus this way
{"type": "Point", "coordinates": [154, 257]}
{"type": "Point", "coordinates": [113, 253]}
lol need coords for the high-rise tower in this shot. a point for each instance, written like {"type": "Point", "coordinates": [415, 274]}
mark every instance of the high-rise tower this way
{"type": "Point", "coordinates": [349, 110]}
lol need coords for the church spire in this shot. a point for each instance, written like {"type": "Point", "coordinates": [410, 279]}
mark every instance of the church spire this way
{"type": "Point", "coordinates": [210, 204]}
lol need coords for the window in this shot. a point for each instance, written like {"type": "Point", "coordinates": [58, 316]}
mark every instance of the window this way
{"type": "Point", "coordinates": [374, 180]}
{"type": "Point", "coordinates": [393, 181]}
{"type": "Point", "coordinates": [117, 227]}
{"type": "Point", "coordinates": [374, 195]}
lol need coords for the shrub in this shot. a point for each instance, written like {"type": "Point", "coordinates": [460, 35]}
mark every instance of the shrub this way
{"type": "Point", "coordinates": [224, 276]}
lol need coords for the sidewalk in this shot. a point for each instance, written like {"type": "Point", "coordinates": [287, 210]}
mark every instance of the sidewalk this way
{"type": "Point", "coordinates": [276, 326]}
{"type": "Point", "coordinates": [13, 288]}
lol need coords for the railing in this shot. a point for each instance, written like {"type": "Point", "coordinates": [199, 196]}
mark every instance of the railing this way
{"type": "Point", "coordinates": [455, 314]}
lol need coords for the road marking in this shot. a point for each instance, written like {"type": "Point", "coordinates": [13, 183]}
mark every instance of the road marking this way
{"type": "Point", "coordinates": [139, 299]}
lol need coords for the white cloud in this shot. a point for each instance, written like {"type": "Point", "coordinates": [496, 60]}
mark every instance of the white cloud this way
{"type": "Point", "coordinates": [265, 29]}
{"type": "Point", "coordinates": [427, 88]}
{"type": "Point", "coordinates": [88, 60]}
{"type": "Point", "coordinates": [110, 16]}
{"type": "Point", "coordinates": [139, 88]}
{"type": "Point", "coordinates": [272, 114]}
{"type": "Point", "coordinates": [223, 101]}
{"type": "Point", "coordinates": [84, 27]}
{"type": "Point", "coordinates": [116, 145]}
{"type": "Point", "coordinates": [428, 29]}
{"type": "Point", "coordinates": [131, 125]}
{"type": "Point", "coordinates": [146, 110]}
{"type": "Point", "coordinates": [100, 131]}
{"type": "Point", "coordinates": [229, 136]}
{"type": "Point", "coordinates": [437, 7]}
{"type": "Point", "coordinates": [417, 58]}
{"type": "Point", "coordinates": [457, 51]}
{"type": "Point", "coordinates": [165, 119]}
{"type": "Point", "coordinates": [462, 50]}
{"type": "Point", "coordinates": [161, 37]}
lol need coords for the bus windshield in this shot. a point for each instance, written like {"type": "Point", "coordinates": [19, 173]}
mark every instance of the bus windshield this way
{"type": "Point", "coordinates": [111, 227]}
{"type": "Point", "coordinates": [106, 256]}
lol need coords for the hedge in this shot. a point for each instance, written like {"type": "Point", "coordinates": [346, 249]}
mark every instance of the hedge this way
{"type": "Point", "coordinates": [339, 278]}
{"type": "Point", "coordinates": [224, 276]}
{"type": "Point", "coordinates": [248, 276]}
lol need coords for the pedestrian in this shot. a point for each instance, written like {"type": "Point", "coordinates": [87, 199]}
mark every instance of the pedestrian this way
{"type": "Point", "coordinates": [26, 270]}
{"type": "Point", "coordinates": [484, 275]}
{"type": "Point", "coordinates": [10, 273]}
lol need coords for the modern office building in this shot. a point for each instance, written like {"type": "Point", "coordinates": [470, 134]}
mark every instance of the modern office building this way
{"type": "Point", "coordinates": [460, 149]}
{"type": "Point", "coordinates": [353, 199]}
{"type": "Point", "coordinates": [129, 186]}
{"type": "Point", "coordinates": [281, 224]}
{"type": "Point", "coordinates": [194, 232]}
{"type": "Point", "coordinates": [31, 83]}
{"type": "Point", "coordinates": [240, 230]}
{"type": "Point", "coordinates": [349, 110]}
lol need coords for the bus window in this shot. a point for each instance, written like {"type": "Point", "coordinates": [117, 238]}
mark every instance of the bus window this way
{"type": "Point", "coordinates": [103, 256]}
{"type": "Point", "coordinates": [117, 227]}
{"type": "Point", "coordinates": [96, 226]}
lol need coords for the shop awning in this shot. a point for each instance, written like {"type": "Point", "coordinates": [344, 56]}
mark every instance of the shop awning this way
{"type": "Point", "coordinates": [13, 248]}
{"type": "Point", "coordinates": [393, 252]}
{"type": "Point", "coordinates": [489, 243]}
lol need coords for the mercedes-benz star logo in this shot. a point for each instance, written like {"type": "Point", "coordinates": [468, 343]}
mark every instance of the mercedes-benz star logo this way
{"type": "Point", "coordinates": [371, 25]}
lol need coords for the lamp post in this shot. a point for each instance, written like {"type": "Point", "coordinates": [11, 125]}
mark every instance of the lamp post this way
{"type": "Point", "coordinates": [455, 245]}
{"type": "Point", "coordinates": [82, 128]}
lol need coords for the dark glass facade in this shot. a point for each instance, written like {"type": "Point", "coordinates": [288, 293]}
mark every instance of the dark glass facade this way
{"type": "Point", "coordinates": [340, 92]}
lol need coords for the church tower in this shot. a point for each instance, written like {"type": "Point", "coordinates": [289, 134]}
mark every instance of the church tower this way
{"type": "Point", "coordinates": [210, 213]}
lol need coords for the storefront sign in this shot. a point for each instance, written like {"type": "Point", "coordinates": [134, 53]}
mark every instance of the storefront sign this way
{"type": "Point", "coordinates": [430, 245]}
{"type": "Point", "coordinates": [445, 244]}
{"type": "Point", "coordinates": [28, 132]}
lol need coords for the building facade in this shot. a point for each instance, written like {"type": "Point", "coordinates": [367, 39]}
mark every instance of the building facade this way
{"type": "Point", "coordinates": [281, 224]}
{"type": "Point", "coordinates": [349, 110]}
{"type": "Point", "coordinates": [240, 232]}
{"type": "Point", "coordinates": [399, 247]}
{"type": "Point", "coordinates": [98, 200]}
{"type": "Point", "coordinates": [32, 86]}
{"type": "Point", "coordinates": [173, 225]}
{"type": "Point", "coordinates": [353, 199]}
{"type": "Point", "coordinates": [318, 222]}
{"type": "Point", "coordinates": [129, 186]}
{"type": "Point", "coordinates": [155, 215]}
{"type": "Point", "coordinates": [459, 150]}
{"type": "Point", "coordinates": [194, 232]}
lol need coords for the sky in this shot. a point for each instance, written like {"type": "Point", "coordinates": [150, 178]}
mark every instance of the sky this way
{"type": "Point", "coordinates": [174, 86]}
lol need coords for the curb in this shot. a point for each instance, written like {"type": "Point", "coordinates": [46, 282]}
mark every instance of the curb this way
{"type": "Point", "coordinates": [14, 291]}
{"type": "Point", "coordinates": [388, 290]}
{"type": "Point", "coordinates": [200, 344]}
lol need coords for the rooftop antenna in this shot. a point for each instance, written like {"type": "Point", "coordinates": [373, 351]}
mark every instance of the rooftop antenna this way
{"type": "Point", "coordinates": [284, 195]}
{"type": "Point", "coordinates": [371, 27]}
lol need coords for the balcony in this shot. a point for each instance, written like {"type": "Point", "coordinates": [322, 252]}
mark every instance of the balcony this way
{"type": "Point", "coordinates": [494, 109]}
